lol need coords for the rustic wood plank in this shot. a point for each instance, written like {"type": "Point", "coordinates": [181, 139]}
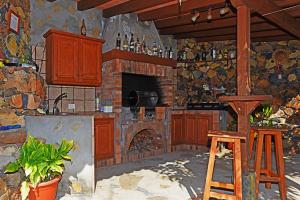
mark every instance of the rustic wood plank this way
{"type": "Point", "coordinates": [131, 6]}
{"type": "Point", "coordinates": [88, 4]}
{"type": "Point", "coordinates": [174, 10]}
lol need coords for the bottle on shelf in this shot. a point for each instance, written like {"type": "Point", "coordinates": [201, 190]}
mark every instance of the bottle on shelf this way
{"type": "Point", "coordinates": [225, 53]}
{"type": "Point", "coordinates": [83, 28]}
{"type": "Point", "coordinates": [166, 53]}
{"type": "Point", "coordinates": [138, 46]}
{"type": "Point", "coordinates": [143, 46]}
{"type": "Point", "coordinates": [203, 55]}
{"type": "Point", "coordinates": [171, 53]}
{"type": "Point", "coordinates": [125, 43]}
{"type": "Point", "coordinates": [131, 43]}
{"type": "Point", "coordinates": [118, 42]}
{"type": "Point", "coordinates": [213, 53]}
{"type": "Point", "coordinates": [154, 49]}
{"type": "Point", "coordinates": [184, 55]}
{"type": "Point", "coordinates": [160, 51]}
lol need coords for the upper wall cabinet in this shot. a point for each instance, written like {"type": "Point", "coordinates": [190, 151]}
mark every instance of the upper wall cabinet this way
{"type": "Point", "coordinates": [73, 59]}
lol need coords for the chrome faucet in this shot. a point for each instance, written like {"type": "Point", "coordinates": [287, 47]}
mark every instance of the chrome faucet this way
{"type": "Point", "coordinates": [59, 98]}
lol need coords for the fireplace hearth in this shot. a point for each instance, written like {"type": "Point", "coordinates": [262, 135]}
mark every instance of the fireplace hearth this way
{"type": "Point", "coordinates": [142, 127]}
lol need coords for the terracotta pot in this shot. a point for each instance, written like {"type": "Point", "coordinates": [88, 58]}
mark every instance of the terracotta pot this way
{"type": "Point", "coordinates": [45, 190]}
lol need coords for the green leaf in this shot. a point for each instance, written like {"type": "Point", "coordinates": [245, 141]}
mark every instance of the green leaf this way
{"type": "Point", "coordinates": [56, 168]}
{"type": "Point", "coordinates": [12, 167]}
{"type": "Point", "coordinates": [66, 157]}
{"type": "Point", "coordinates": [24, 190]}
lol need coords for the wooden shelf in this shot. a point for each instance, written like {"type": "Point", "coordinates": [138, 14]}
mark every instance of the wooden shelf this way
{"type": "Point", "coordinates": [127, 55]}
{"type": "Point", "coordinates": [204, 61]}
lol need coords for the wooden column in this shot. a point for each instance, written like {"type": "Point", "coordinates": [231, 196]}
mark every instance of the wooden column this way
{"type": "Point", "coordinates": [243, 76]}
{"type": "Point", "coordinates": [243, 50]}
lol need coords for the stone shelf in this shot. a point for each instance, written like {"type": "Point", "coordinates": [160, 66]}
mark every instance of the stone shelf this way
{"type": "Point", "coordinates": [131, 56]}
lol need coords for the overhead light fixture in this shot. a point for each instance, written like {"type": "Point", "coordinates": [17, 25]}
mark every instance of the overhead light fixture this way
{"type": "Point", "coordinates": [195, 16]}
{"type": "Point", "coordinates": [225, 10]}
{"type": "Point", "coordinates": [209, 15]}
{"type": "Point", "coordinates": [180, 2]}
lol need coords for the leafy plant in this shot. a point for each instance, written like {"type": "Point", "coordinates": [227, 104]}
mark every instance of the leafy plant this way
{"type": "Point", "coordinates": [40, 162]}
{"type": "Point", "coordinates": [262, 116]}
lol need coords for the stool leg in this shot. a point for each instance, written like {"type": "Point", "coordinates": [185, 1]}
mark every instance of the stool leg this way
{"type": "Point", "coordinates": [280, 166]}
{"type": "Point", "coordinates": [258, 160]}
{"type": "Point", "coordinates": [268, 158]}
{"type": "Point", "coordinates": [251, 142]}
{"type": "Point", "coordinates": [210, 168]}
{"type": "Point", "coordinates": [237, 169]}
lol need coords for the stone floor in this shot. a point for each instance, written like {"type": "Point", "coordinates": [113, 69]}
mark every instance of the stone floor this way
{"type": "Point", "coordinates": [176, 176]}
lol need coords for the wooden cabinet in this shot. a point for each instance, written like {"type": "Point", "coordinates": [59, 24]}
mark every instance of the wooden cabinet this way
{"type": "Point", "coordinates": [190, 128]}
{"type": "Point", "coordinates": [104, 138]}
{"type": "Point", "coordinates": [73, 59]}
{"type": "Point", "coordinates": [177, 129]}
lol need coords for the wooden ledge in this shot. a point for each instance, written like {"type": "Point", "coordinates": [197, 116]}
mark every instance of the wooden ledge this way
{"type": "Point", "coordinates": [131, 56]}
{"type": "Point", "coordinates": [265, 98]}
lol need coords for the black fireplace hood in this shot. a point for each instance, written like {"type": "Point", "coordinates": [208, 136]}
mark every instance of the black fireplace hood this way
{"type": "Point", "coordinates": [142, 85]}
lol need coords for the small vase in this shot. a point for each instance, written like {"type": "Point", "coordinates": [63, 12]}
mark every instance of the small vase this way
{"type": "Point", "coordinates": [45, 191]}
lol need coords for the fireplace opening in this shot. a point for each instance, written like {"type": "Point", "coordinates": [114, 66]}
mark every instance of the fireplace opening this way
{"type": "Point", "coordinates": [146, 140]}
{"type": "Point", "coordinates": [140, 91]}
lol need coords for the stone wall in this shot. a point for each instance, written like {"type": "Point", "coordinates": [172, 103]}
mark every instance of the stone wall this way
{"type": "Point", "coordinates": [62, 15]}
{"type": "Point", "coordinates": [275, 70]}
{"type": "Point", "coordinates": [12, 44]}
{"type": "Point", "coordinates": [22, 92]}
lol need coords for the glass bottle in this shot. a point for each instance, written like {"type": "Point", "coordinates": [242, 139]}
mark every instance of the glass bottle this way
{"type": "Point", "coordinates": [125, 43]}
{"type": "Point", "coordinates": [154, 49]}
{"type": "Point", "coordinates": [131, 43]}
{"type": "Point", "coordinates": [160, 51]}
{"type": "Point", "coordinates": [138, 46]}
{"type": "Point", "coordinates": [213, 53]}
{"type": "Point", "coordinates": [118, 42]}
{"type": "Point", "coordinates": [166, 53]}
{"type": "Point", "coordinates": [171, 53]}
{"type": "Point", "coordinates": [143, 46]}
{"type": "Point", "coordinates": [83, 28]}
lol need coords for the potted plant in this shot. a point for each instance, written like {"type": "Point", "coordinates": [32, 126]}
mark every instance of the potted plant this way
{"type": "Point", "coordinates": [43, 165]}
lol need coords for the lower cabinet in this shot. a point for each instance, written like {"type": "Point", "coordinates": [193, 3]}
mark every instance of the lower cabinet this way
{"type": "Point", "coordinates": [190, 128]}
{"type": "Point", "coordinates": [104, 138]}
{"type": "Point", "coordinates": [177, 129]}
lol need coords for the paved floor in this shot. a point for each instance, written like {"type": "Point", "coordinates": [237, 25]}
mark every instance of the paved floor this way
{"type": "Point", "coordinates": [176, 176]}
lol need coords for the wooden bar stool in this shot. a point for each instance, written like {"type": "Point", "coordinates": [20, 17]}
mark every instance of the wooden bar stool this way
{"type": "Point", "coordinates": [235, 138]}
{"type": "Point", "coordinates": [266, 174]}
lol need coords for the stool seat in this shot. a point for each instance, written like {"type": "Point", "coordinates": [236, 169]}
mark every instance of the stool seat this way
{"type": "Point", "coordinates": [236, 186]}
{"type": "Point", "coordinates": [226, 134]}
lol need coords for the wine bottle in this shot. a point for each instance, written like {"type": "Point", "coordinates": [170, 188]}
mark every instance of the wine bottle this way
{"type": "Point", "coordinates": [138, 46]}
{"type": "Point", "coordinates": [171, 53]}
{"type": "Point", "coordinates": [83, 28]}
{"type": "Point", "coordinates": [118, 42]}
{"type": "Point", "coordinates": [131, 43]}
{"type": "Point", "coordinates": [154, 49]}
{"type": "Point", "coordinates": [125, 43]}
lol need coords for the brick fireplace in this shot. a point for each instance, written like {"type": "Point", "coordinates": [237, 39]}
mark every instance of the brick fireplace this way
{"type": "Point", "coordinates": [138, 134]}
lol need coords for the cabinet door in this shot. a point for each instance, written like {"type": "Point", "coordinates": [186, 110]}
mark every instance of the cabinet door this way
{"type": "Point", "coordinates": [190, 129]}
{"type": "Point", "coordinates": [204, 123]}
{"type": "Point", "coordinates": [90, 59]}
{"type": "Point", "coordinates": [104, 138]}
{"type": "Point", "coordinates": [177, 129]}
{"type": "Point", "coordinates": [65, 60]}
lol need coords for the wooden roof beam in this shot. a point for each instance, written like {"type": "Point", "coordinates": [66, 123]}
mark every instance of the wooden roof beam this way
{"type": "Point", "coordinates": [187, 19]}
{"type": "Point", "coordinates": [88, 4]}
{"type": "Point", "coordinates": [265, 8]}
{"type": "Point", "coordinates": [131, 6]}
{"type": "Point", "coordinates": [173, 10]}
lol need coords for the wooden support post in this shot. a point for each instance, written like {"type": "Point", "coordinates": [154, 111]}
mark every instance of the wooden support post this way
{"type": "Point", "coordinates": [243, 76]}
{"type": "Point", "coordinates": [243, 50]}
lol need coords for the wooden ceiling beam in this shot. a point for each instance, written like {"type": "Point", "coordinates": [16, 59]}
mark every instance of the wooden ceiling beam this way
{"type": "Point", "coordinates": [285, 3]}
{"type": "Point", "coordinates": [266, 7]}
{"type": "Point", "coordinates": [174, 10]}
{"type": "Point", "coordinates": [187, 19]}
{"type": "Point", "coordinates": [254, 38]}
{"type": "Point", "coordinates": [214, 24]}
{"type": "Point", "coordinates": [88, 4]}
{"type": "Point", "coordinates": [225, 31]}
{"type": "Point", "coordinates": [131, 6]}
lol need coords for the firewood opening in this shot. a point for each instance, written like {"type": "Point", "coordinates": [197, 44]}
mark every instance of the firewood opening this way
{"type": "Point", "coordinates": [145, 140]}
